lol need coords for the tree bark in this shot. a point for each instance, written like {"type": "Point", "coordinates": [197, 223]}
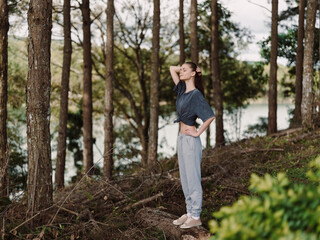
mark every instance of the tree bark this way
{"type": "Point", "coordinates": [215, 68]}
{"type": "Point", "coordinates": [208, 134]}
{"type": "Point", "coordinates": [181, 33]}
{"type": "Point", "coordinates": [4, 161]}
{"type": "Point", "coordinates": [299, 65]}
{"type": "Point", "coordinates": [162, 220]}
{"type": "Point", "coordinates": [108, 97]}
{"type": "Point", "coordinates": [272, 96]}
{"type": "Point", "coordinates": [87, 90]}
{"type": "Point", "coordinates": [208, 97]}
{"type": "Point", "coordinates": [67, 51]}
{"type": "Point", "coordinates": [194, 32]}
{"type": "Point", "coordinates": [145, 113]}
{"type": "Point", "coordinates": [38, 105]}
{"type": "Point", "coordinates": [307, 83]}
{"type": "Point", "coordinates": [154, 87]}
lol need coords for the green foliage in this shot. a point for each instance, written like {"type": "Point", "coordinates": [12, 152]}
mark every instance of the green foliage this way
{"type": "Point", "coordinates": [241, 81]}
{"type": "Point", "coordinates": [74, 138]}
{"type": "Point", "coordinates": [259, 128]}
{"type": "Point", "coordinates": [17, 149]}
{"type": "Point", "coordinates": [17, 72]}
{"type": "Point", "coordinates": [287, 44]}
{"type": "Point", "coordinates": [279, 209]}
{"type": "Point", "coordinates": [288, 36]}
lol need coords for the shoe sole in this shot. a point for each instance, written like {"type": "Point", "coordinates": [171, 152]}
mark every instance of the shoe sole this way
{"type": "Point", "coordinates": [178, 224]}
{"type": "Point", "coordinates": [185, 227]}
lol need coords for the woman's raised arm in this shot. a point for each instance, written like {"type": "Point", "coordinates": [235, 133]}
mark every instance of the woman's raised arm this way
{"type": "Point", "coordinates": [174, 70]}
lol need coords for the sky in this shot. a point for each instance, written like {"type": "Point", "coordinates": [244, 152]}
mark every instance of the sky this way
{"type": "Point", "coordinates": [245, 12]}
{"type": "Point", "coordinates": [257, 19]}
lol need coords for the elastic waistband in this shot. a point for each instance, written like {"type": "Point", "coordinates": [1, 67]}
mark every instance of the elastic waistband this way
{"type": "Point", "coordinates": [184, 135]}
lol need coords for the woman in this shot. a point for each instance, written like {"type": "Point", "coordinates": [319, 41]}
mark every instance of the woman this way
{"type": "Point", "coordinates": [190, 105]}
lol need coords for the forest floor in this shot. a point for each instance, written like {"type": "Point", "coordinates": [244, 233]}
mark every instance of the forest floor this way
{"type": "Point", "coordinates": [96, 209]}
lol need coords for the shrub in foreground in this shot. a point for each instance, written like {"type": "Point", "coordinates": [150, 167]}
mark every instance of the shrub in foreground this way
{"type": "Point", "coordinates": [278, 209]}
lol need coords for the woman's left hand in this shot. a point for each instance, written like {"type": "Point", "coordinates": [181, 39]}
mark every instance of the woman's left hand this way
{"type": "Point", "coordinates": [192, 132]}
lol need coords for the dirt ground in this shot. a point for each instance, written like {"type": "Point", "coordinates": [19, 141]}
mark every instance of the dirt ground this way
{"type": "Point", "coordinates": [97, 209]}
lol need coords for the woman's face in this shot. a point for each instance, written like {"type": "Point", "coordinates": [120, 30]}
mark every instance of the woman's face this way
{"type": "Point", "coordinates": [186, 72]}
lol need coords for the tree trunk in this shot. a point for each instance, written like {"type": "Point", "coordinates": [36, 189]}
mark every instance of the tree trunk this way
{"type": "Point", "coordinates": [215, 68]}
{"type": "Point", "coordinates": [4, 161]}
{"type": "Point", "coordinates": [143, 135]}
{"type": "Point", "coordinates": [87, 91]}
{"type": "Point", "coordinates": [272, 98]}
{"type": "Point", "coordinates": [299, 64]}
{"type": "Point", "coordinates": [67, 51]}
{"type": "Point", "coordinates": [208, 96]}
{"type": "Point", "coordinates": [194, 32]}
{"type": "Point", "coordinates": [38, 105]}
{"type": "Point", "coordinates": [162, 220]}
{"type": "Point", "coordinates": [181, 33]}
{"type": "Point", "coordinates": [307, 83]}
{"type": "Point", "coordinates": [108, 97]}
{"type": "Point", "coordinates": [154, 87]}
{"type": "Point", "coordinates": [208, 134]}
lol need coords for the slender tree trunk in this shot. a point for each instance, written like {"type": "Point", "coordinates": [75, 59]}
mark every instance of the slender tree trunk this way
{"type": "Point", "coordinates": [108, 97]}
{"type": "Point", "coordinates": [194, 32]}
{"type": "Point", "coordinates": [143, 132]}
{"type": "Point", "coordinates": [144, 144]}
{"type": "Point", "coordinates": [307, 83]}
{"type": "Point", "coordinates": [299, 64]}
{"type": "Point", "coordinates": [38, 105]}
{"type": "Point", "coordinates": [181, 33]}
{"type": "Point", "coordinates": [208, 134]}
{"type": "Point", "coordinates": [154, 87]}
{"type": "Point", "coordinates": [67, 51]}
{"type": "Point", "coordinates": [215, 68]}
{"type": "Point", "coordinates": [4, 161]}
{"type": "Point", "coordinates": [87, 90]}
{"type": "Point", "coordinates": [208, 96]}
{"type": "Point", "coordinates": [272, 98]}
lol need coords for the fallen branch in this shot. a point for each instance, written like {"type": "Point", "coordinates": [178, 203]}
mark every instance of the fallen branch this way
{"type": "Point", "coordinates": [146, 200]}
{"type": "Point", "coordinates": [13, 230]}
{"type": "Point", "coordinates": [67, 210]}
{"type": "Point", "coordinates": [285, 132]}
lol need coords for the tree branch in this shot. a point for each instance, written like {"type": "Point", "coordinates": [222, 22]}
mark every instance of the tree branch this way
{"type": "Point", "coordinates": [259, 6]}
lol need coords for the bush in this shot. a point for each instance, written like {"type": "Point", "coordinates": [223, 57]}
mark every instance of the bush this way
{"type": "Point", "coordinates": [278, 209]}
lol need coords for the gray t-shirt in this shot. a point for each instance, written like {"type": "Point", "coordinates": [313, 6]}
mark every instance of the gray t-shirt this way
{"type": "Point", "coordinates": [191, 105]}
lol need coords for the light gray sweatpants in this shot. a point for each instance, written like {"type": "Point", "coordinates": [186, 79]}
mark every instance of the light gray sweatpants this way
{"type": "Point", "coordinates": [189, 157]}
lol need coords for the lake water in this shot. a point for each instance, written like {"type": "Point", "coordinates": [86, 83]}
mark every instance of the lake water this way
{"type": "Point", "coordinates": [168, 135]}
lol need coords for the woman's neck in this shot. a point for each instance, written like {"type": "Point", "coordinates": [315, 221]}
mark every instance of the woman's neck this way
{"type": "Point", "coordinates": [190, 84]}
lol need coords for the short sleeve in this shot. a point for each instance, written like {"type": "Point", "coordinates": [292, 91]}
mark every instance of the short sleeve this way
{"type": "Point", "coordinates": [203, 109]}
{"type": "Point", "coordinates": [180, 87]}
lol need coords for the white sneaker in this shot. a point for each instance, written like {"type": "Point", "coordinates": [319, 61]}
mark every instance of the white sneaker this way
{"type": "Point", "coordinates": [191, 222]}
{"type": "Point", "coordinates": [180, 220]}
